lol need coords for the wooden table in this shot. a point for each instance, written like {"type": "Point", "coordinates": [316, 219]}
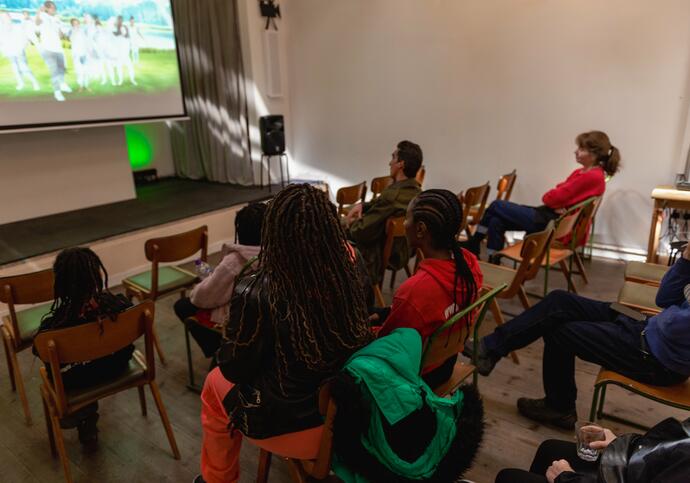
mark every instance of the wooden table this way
{"type": "Point", "coordinates": [665, 196]}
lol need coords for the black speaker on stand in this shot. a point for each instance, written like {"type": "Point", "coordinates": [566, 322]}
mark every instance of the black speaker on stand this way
{"type": "Point", "coordinates": [272, 130]}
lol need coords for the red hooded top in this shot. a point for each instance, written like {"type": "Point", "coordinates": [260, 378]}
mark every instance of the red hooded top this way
{"type": "Point", "coordinates": [425, 300]}
{"type": "Point", "coordinates": [579, 186]}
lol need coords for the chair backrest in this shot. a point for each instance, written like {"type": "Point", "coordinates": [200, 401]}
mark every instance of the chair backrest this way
{"type": "Point", "coordinates": [504, 188]}
{"type": "Point", "coordinates": [449, 339]}
{"type": "Point", "coordinates": [349, 195]}
{"type": "Point", "coordinates": [379, 184]}
{"type": "Point", "coordinates": [177, 247]}
{"type": "Point", "coordinates": [27, 288]}
{"type": "Point", "coordinates": [565, 225]}
{"type": "Point", "coordinates": [474, 200]}
{"type": "Point", "coordinates": [421, 174]}
{"type": "Point", "coordinates": [320, 467]}
{"type": "Point", "coordinates": [584, 221]}
{"type": "Point", "coordinates": [94, 340]}
{"type": "Point", "coordinates": [534, 249]}
{"type": "Point", "coordinates": [395, 228]}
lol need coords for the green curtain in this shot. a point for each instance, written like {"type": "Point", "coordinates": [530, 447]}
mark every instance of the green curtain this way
{"type": "Point", "coordinates": [214, 144]}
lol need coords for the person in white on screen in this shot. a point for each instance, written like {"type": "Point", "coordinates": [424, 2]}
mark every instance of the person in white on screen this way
{"type": "Point", "coordinates": [121, 44]}
{"type": "Point", "coordinates": [13, 43]}
{"type": "Point", "coordinates": [80, 58]}
{"type": "Point", "coordinates": [135, 38]}
{"type": "Point", "coordinates": [50, 29]}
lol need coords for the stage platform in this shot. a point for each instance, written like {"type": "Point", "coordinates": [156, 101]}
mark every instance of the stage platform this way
{"type": "Point", "coordinates": [161, 203]}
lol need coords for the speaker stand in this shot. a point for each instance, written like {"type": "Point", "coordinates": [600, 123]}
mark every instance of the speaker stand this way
{"type": "Point", "coordinates": [267, 158]}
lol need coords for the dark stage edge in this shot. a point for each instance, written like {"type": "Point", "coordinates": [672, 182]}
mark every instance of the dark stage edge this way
{"type": "Point", "coordinates": [158, 203]}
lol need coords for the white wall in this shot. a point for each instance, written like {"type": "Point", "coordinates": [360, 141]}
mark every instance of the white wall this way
{"type": "Point", "coordinates": [488, 86]}
{"type": "Point", "coordinates": [56, 171]}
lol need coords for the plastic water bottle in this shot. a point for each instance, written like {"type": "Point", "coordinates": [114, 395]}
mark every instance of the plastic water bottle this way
{"type": "Point", "coordinates": [203, 269]}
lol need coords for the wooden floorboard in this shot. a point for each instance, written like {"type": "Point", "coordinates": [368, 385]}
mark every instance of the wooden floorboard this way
{"type": "Point", "coordinates": [133, 448]}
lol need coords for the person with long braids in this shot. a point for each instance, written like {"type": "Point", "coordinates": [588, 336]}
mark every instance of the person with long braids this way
{"type": "Point", "coordinates": [293, 323]}
{"type": "Point", "coordinates": [82, 296]}
{"type": "Point", "coordinates": [598, 158]}
{"type": "Point", "coordinates": [446, 281]}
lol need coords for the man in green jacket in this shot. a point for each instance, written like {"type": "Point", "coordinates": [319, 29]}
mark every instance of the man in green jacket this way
{"type": "Point", "coordinates": [367, 222]}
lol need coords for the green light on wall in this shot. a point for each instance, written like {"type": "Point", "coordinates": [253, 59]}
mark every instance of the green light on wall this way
{"type": "Point", "coordinates": [139, 147]}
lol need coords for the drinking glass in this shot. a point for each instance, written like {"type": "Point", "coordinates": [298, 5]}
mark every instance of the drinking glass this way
{"type": "Point", "coordinates": [587, 433]}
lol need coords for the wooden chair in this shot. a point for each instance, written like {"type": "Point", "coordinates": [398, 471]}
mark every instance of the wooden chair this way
{"type": "Point", "coordinates": [395, 229]}
{"type": "Point", "coordinates": [557, 254]}
{"type": "Point", "coordinates": [533, 251]}
{"type": "Point", "coordinates": [646, 273]}
{"type": "Point", "coordinates": [318, 469]}
{"type": "Point", "coordinates": [639, 296]}
{"type": "Point", "coordinates": [449, 340]}
{"type": "Point", "coordinates": [163, 280]}
{"type": "Point", "coordinates": [379, 184]}
{"type": "Point", "coordinates": [504, 188]}
{"type": "Point", "coordinates": [86, 343]}
{"type": "Point", "coordinates": [20, 327]}
{"type": "Point", "coordinates": [421, 174]}
{"type": "Point", "coordinates": [474, 205]}
{"type": "Point", "coordinates": [349, 195]}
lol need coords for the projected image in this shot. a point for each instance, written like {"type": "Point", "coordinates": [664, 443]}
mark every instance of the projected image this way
{"type": "Point", "coordinates": [69, 50]}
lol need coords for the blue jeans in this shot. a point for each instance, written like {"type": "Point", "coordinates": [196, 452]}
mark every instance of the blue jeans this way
{"type": "Point", "coordinates": [502, 216]}
{"type": "Point", "coordinates": [576, 326]}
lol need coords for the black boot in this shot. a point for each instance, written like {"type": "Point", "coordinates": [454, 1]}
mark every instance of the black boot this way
{"type": "Point", "coordinates": [88, 431]}
{"type": "Point", "coordinates": [538, 410]}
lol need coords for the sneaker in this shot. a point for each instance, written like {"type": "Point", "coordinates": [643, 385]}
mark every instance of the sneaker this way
{"type": "Point", "coordinates": [65, 88]}
{"type": "Point", "coordinates": [58, 96]}
{"type": "Point", "coordinates": [538, 410]}
{"type": "Point", "coordinates": [484, 362]}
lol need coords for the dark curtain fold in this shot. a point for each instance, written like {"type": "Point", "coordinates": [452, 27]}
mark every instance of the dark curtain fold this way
{"type": "Point", "coordinates": [214, 144]}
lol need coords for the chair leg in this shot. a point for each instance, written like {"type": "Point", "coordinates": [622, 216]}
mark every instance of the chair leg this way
{"type": "Point", "coordinates": [595, 400]}
{"type": "Point", "coordinates": [157, 344]}
{"type": "Point", "coordinates": [296, 472]}
{"type": "Point", "coordinates": [142, 400]}
{"type": "Point", "coordinates": [407, 270]}
{"type": "Point", "coordinates": [10, 368]}
{"type": "Point", "coordinates": [580, 266]}
{"type": "Point", "coordinates": [602, 397]}
{"type": "Point", "coordinates": [164, 419]}
{"type": "Point", "coordinates": [190, 365]}
{"type": "Point", "coordinates": [568, 276]}
{"type": "Point", "coordinates": [379, 296]}
{"type": "Point", "coordinates": [264, 466]}
{"type": "Point", "coordinates": [49, 428]}
{"type": "Point", "coordinates": [60, 443]}
{"type": "Point", "coordinates": [393, 274]}
{"type": "Point", "coordinates": [522, 295]}
{"type": "Point", "coordinates": [498, 317]}
{"type": "Point", "coordinates": [19, 381]}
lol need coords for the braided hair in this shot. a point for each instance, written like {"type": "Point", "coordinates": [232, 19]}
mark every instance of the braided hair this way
{"type": "Point", "coordinates": [79, 277]}
{"type": "Point", "coordinates": [441, 212]}
{"type": "Point", "coordinates": [311, 283]}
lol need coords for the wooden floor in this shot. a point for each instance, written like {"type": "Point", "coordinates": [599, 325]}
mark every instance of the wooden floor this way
{"type": "Point", "coordinates": [133, 448]}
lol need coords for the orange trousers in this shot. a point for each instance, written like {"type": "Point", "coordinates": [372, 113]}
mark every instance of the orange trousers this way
{"type": "Point", "coordinates": [220, 451]}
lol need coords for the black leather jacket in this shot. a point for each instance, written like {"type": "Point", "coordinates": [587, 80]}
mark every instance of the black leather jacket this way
{"type": "Point", "coordinates": [263, 403]}
{"type": "Point", "coordinates": [661, 455]}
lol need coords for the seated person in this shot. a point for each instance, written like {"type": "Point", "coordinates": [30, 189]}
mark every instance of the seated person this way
{"type": "Point", "coordinates": [82, 296]}
{"type": "Point", "coordinates": [654, 350]}
{"type": "Point", "coordinates": [209, 301]}
{"type": "Point", "coordinates": [661, 455]}
{"type": "Point", "coordinates": [367, 222]}
{"type": "Point", "coordinates": [446, 281]}
{"type": "Point", "coordinates": [598, 158]}
{"type": "Point", "coordinates": [293, 324]}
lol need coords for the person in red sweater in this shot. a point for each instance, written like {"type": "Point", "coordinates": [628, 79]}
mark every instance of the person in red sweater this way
{"type": "Point", "coordinates": [446, 281]}
{"type": "Point", "coordinates": [598, 158]}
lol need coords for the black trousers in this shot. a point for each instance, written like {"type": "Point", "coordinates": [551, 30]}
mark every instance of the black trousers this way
{"type": "Point", "coordinates": [574, 326]}
{"type": "Point", "coordinates": [548, 452]}
{"type": "Point", "coordinates": [209, 340]}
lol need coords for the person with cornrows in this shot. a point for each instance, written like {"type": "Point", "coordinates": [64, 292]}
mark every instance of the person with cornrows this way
{"type": "Point", "coordinates": [599, 159]}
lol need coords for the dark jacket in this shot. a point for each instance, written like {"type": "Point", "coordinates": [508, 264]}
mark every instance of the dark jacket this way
{"type": "Point", "coordinates": [661, 455]}
{"type": "Point", "coordinates": [77, 376]}
{"type": "Point", "coordinates": [369, 232]}
{"type": "Point", "coordinates": [263, 403]}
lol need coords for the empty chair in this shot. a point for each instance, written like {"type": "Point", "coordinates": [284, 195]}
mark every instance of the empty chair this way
{"type": "Point", "coordinates": [504, 187]}
{"type": "Point", "coordinates": [647, 273]}
{"type": "Point", "coordinates": [474, 204]}
{"type": "Point", "coordinates": [639, 296]}
{"type": "Point", "coordinates": [350, 195]}
{"type": "Point", "coordinates": [20, 326]}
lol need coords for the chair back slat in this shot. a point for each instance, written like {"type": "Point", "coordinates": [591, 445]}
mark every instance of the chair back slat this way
{"type": "Point", "coordinates": [474, 200]}
{"type": "Point", "coordinates": [566, 223]}
{"type": "Point", "coordinates": [584, 221]}
{"type": "Point", "coordinates": [379, 184]}
{"type": "Point", "coordinates": [449, 339]}
{"type": "Point", "coordinates": [177, 247]}
{"type": "Point", "coordinates": [395, 228]}
{"type": "Point", "coordinates": [349, 195]}
{"type": "Point", "coordinates": [94, 340]}
{"type": "Point", "coordinates": [505, 186]}
{"type": "Point", "coordinates": [27, 288]}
